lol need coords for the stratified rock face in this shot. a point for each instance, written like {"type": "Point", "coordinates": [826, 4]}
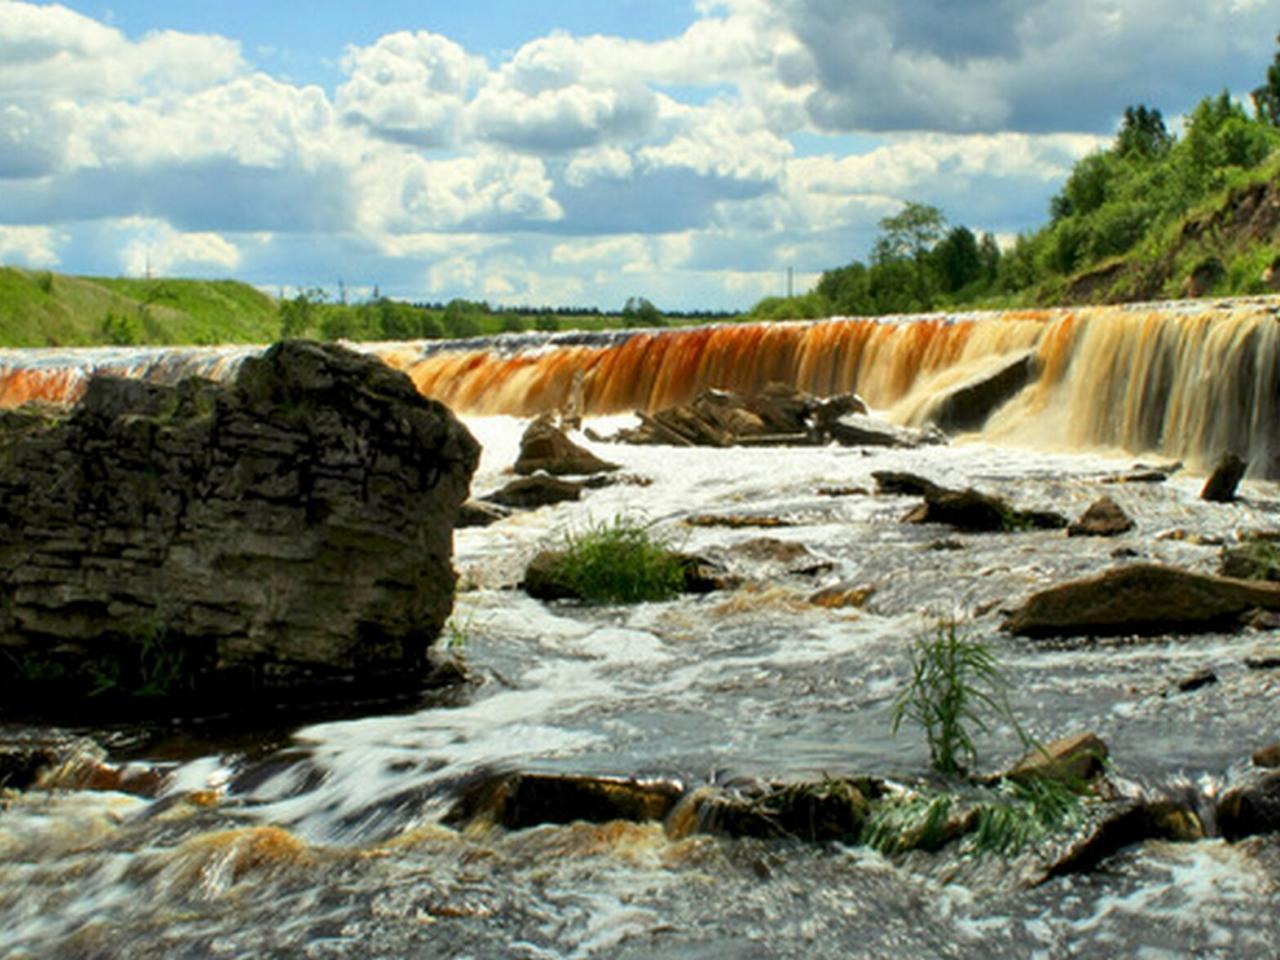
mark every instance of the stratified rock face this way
{"type": "Point", "coordinates": [290, 529]}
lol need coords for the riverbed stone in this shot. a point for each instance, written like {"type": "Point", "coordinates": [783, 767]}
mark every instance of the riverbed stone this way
{"type": "Point", "coordinates": [547, 448]}
{"type": "Point", "coordinates": [1252, 807]}
{"type": "Point", "coordinates": [1104, 518]}
{"type": "Point", "coordinates": [539, 490]}
{"type": "Point", "coordinates": [286, 531]}
{"type": "Point", "coordinates": [1074, 760]}
{"type": "Point", "coordinates": [1141, 598]}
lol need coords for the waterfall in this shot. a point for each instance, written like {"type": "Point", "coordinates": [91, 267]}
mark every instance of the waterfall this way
{"type": "Point", "coordinates": [1187, 380]}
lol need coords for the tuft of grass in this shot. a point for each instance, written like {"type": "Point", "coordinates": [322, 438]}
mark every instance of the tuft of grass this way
{"type": "Point", "coordinates": [1251, 560]}
{"type": "Point", "coordinates": [913, 821]}
{"type": "Point", "coordinates": [621, 561]}
{"type": "Point", "coordinates": [1002, 821]}
{"type": "Point", "coordinates": [955, 684]}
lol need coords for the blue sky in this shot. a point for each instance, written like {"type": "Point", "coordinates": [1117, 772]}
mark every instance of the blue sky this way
{"type": "Point", "coordinates": [572, 152]}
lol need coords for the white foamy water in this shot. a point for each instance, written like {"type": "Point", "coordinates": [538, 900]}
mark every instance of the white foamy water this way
{"type": "Point", "coordinates": [755, 682]}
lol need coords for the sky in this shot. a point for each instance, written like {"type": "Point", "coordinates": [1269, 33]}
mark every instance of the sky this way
{"type": "Point", "coordinates": [570, 152]}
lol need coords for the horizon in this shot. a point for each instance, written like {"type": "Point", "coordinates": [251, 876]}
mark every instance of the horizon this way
{"type": "Point", "coordinates": [576, 154]}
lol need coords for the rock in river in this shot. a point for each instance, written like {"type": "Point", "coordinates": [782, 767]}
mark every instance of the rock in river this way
{"type": "Point", "coordinates": [1141, 598]}
{"type": "Point", "coordinates": [282, 533]}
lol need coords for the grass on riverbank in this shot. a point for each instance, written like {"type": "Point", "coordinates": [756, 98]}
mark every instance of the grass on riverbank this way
{"type": "Point", "coordinates": [43, 309]}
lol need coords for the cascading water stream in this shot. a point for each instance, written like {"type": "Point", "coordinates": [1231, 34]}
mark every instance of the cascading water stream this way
{"type": "Point", "coordinates": [1183, 380]}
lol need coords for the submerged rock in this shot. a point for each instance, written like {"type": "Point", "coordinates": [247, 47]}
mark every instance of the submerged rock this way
{"type": "Point", "coordinates": [289, 530]}
{"type": "Point", "coordinates": [967, 407]}
{"type": "Point", "coordinates": [864, 430]}
{"type": "Point", "coordinates": [1104, 518]}
{"type": "Point", "coordinates": [829, 809]}
{"type": "Point", "coordinates": [540, 490]}
{"type": "Point", "coordinates": [545, 447]}
{"type": "Point", "coordinates": [1140, 598]}
{"type": "Point", "coordinates": [517, 801]}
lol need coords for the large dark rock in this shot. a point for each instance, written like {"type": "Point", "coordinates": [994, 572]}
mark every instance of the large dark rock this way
{"type": "Point", "coordinates": [1252, 807]}
{"type": "Point", "coordinates": [973, 511]}
{"type": "Point", "coordinates": [967, 407]}
{"type": "Point", "coordinates": [1226, 476]}
{"type": "Point", "coordinates": [540, 490]}
{"type": "Point", "coordinates": [286, 531]}
{"type": "Point", "coordinates": [817, 811]}
{"type": "Point", "coordinates": [1142, 599]}
{"type": "Point", "coordinates": [545, 447]}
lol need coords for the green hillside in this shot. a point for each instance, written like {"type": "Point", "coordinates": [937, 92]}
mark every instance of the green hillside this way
{"type": "Point", "coordinates": [41, 309]}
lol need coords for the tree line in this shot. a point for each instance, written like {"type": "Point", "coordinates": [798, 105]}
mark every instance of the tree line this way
{"type": "Point", "coordinates": [1123, 201]}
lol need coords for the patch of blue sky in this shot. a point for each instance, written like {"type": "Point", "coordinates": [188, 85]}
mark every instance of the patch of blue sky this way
{"type": "Point", "coordinates": [697, 96]}
{"type": "Point", "coordinates": [810, 144]}
{"type": "Point", "coordinates": [305, 43]}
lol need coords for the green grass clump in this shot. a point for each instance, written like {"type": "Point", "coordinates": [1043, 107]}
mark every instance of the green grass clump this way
{"type": "Point", "coordinates": [621, 561]}
{"type": "Point", "coordinates": [1252, 560]}
{"type": "Point", "coordinates": [955, 682]}
{"type": "Point", "coordinates": [1003, 820]}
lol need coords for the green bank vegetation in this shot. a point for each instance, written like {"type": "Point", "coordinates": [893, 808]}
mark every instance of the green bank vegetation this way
{"type": "Point", "coordinates": [1153, 215]}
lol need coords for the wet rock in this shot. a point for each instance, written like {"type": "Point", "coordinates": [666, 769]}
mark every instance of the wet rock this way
{"type": "Point", "coordinates": [1262, 663]}
{"type": "Point", "coordinates": [285, 532]}
{"type": "Point", "coordinates": [1074, 760]}
{"type": "Point", "coordinates": [1120, 824]}
{"type": "Point", "coordinates": [972, 511]}
{"type": "Point", "coordinates": [545, 447]}
{"type": "Point", "coordinates": [1104, 518]}
{"type": "Point", "coordinates": [72, 763]}
{"type": "Point", "coordinates": [1267, 756]}
{"type": "Point", "coordinates": [477, 513]}
{"type": "Point", "coordinates": [540, 490]}
{"type": "Point", "coordinates": [706, 575]}
{"type": "Point", "coordinates": [1226, 476]}
{"type": "Point", "coordinates": [23, 762]}
{"type": "Point", "coordinates": [842, 491]}
{"type": "Point", "coordinates": [862, 430]}
{"type": "Point", "coordinates": [518, 801]}
{"type": "Point", "coordinates": [544, 578]}
{"type": "Point", "coordinates": [968, 406]}
{"type": "Point", "coordinates": [813, 811]}
{"type": "Point", "coordinates": [843, 596]}
{"type": "Point", "coordinates": [792, 558]}
{"type": "Point", "coordinates": [778, 414]}
{"type": "Point", "coordinates": [736, 521]}
{"type": "Point", "coordinates": [1196, 681]}
{"type": "Point", "coordinates": [1252, 807]}
{"type": "Point", "coordinates": [1142, 599]}
{"type": "Point", "coordinates": [892, 482]}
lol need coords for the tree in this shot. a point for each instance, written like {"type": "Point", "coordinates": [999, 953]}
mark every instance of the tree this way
{"type": "Point", "coordinates": [298, 316]}
{"type": "Point", "coordinates": [957, 259]}
{"type": "Point", "coordinates": [640, 312]}
{"type": "Point", "coordinates": [1266, 99]}
{"type": "Point", "coordinates": [911, 233]}
{"type": "Point", "coordinates": [1142, 134]}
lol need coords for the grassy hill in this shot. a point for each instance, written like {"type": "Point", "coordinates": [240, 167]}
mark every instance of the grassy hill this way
{"type": "Point", "coordinates": [39, 309]}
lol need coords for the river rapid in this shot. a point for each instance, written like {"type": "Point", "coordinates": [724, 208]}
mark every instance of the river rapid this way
{"type": "Point", "coordinates": [327, 840]}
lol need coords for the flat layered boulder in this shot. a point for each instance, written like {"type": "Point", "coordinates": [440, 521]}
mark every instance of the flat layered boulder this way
{"type": "Point", "coordinates": [259, 539]}
{"type": "Point", "coordinates": [1141, 599]}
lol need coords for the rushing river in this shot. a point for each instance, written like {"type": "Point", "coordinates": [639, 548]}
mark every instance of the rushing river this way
{"type": "Point", "coordinates": [326, 841]}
